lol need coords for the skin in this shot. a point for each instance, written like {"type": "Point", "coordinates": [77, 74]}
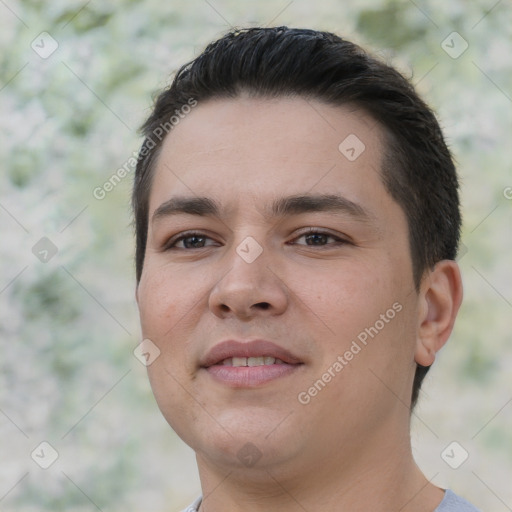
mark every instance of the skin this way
{"type": "Point", "coordinates": [349, 447]}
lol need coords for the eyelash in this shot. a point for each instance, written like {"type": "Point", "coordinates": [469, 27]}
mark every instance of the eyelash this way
{"type": "Point", "coordinates": [171, 244]}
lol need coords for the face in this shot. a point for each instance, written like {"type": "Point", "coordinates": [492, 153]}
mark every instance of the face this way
{"type": "Point", "coordinates": [305, 250]}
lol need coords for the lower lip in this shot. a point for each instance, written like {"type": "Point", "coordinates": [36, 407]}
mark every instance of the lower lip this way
{"type": "Point", "coordinates": [250, 376]}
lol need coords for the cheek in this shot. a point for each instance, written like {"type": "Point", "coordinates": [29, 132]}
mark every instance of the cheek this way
{"type": "Point", "coordinates": [358, 304]}
{"type": "Point", "coordinates": [163, 297]}
{"type": "Point", "coordinates": [164, 300]}
{"type": "Point", "coordinates": [346, 296]}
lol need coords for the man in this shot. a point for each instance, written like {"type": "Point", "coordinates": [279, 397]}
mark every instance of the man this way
{"type": "Point", "coordinates": [297, 220]}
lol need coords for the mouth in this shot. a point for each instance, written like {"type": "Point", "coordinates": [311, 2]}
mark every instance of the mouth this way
{"type": "Point", "coordinates": [249, 364]}
{"type": "Point", "coordinates": [251, 361]}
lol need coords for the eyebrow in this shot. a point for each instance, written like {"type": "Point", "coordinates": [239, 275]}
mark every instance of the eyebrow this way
{"type": "Point", "coordinates": [281, 207]}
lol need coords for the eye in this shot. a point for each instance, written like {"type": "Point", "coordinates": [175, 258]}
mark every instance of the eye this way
{"type": "Point", "coordinates": [196, 240]}
{"type": "Point", "coordinates": [318, 238]}
{"type": "Point", "coordinates": [190, 239]}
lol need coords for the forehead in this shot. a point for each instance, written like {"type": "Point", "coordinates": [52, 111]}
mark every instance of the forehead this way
{"type": "Point", "coordinates": [248, 151]}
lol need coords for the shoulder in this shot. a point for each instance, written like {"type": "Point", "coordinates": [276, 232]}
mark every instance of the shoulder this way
{"type": "Point", "coordinates": [194, 506]}
{"type": "Point", "coordinates": [453, 503]}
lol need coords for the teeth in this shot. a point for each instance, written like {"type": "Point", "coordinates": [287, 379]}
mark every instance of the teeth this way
{"type": "Point", "coordinates": [255, 361]}
{"type": "Point", "coordinates": [251, 361]}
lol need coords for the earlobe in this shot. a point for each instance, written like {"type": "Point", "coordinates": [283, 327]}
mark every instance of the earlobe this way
{"type": "Point", "coordinates": [440, 299]}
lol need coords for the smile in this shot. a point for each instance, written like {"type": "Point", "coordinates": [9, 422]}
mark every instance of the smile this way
{"type": "Point", "coordinates": [251, 361]}
{"type": "Point", "coordinates": [248, 364]}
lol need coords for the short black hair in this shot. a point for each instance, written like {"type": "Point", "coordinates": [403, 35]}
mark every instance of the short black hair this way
{"type": "Point", "coordinates": [417, 170]}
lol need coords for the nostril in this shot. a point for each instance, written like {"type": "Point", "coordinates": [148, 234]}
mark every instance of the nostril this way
{"type": "Point", "coordinates": [263, 305]}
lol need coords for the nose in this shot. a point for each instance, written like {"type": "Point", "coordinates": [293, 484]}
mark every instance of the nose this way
{"type": "Point", "coordinates": [249, 290]}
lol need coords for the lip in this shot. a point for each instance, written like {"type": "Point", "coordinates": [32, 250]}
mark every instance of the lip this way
{"type": "Point", "coordinates": [255, 348]}
{"type": "Point", "coordinates": [248, 376]}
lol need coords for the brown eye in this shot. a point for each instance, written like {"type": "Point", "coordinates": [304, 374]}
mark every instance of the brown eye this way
{"type": "Point", "coordinates": [191, 240]}
{"type": "Point", "coordinates": [319, 238]}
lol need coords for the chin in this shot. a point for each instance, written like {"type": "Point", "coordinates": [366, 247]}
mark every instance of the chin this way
{"type": "Point", "coordinates": [248, 440]}
{"type": "Point", "coordinates": [243, 454]}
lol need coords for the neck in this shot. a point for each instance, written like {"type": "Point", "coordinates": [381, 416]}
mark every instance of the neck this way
{"type": "Point", "coordinates": [373, 476]}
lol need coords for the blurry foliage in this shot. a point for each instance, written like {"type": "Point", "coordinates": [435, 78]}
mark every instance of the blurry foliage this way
{"type": "Point", "coordinates": [68, 327]}
{"type": "Point", "coordinates": [375, 25]}
{"type": "Point", "coordinates": [50, 299]}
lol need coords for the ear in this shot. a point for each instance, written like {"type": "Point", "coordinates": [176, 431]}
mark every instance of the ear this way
{"type": "Point", "coordinates": [439, 302]}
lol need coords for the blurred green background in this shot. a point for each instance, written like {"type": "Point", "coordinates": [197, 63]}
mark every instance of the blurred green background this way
{"type": "Point", "coordinates": [68, 318]}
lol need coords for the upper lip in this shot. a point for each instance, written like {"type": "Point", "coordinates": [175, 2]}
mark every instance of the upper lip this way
{"type": "Point", "coordinates": [255, 348]}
